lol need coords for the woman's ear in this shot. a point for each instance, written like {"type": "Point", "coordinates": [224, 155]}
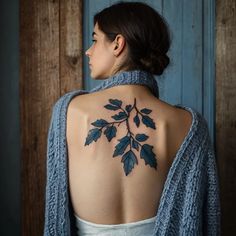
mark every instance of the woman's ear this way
{"type": "Point", "coordinates": [119, 44]}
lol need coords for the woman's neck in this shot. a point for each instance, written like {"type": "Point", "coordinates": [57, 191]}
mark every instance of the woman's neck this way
{"type": "Point", "coordinates": [129, 83]}
{"type": "Point", "coordinates": [129, 90]}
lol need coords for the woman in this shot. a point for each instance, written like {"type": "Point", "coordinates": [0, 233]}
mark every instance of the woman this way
{"type": "Point", "coordinates": [120, 160]}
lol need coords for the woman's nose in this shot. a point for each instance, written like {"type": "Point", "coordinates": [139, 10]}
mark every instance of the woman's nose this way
{"type": "Point", "coordinates": [87, 53]}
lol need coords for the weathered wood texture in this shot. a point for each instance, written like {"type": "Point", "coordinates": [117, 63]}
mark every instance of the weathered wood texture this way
{"type": "Point", "coordinates": [226, 110]}
{"type": "Point", "coordinates": [71, 45]}
{"type": "Point", "coordinates": [50, 65]}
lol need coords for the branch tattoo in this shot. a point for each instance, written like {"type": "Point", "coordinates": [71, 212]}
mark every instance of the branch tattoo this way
{"type": "Point", "coordinates": [133, 141]}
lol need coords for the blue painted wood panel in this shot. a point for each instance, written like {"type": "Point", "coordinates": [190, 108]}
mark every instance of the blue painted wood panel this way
{"type": "Point", "coordinates": [190, 78]}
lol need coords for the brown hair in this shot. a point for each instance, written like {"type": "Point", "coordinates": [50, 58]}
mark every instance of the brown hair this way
{"type": "Point", "coordinates": [145, 31]}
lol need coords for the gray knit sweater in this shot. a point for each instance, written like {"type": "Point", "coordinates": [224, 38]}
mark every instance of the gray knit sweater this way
{"type": "Point", "coordinates": [189, 203]}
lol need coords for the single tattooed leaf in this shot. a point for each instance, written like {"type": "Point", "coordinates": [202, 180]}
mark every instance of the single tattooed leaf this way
{"type": "Point", "coordinates": [110, 132]}
{"type": "Point", "coordinates": [110, 107]}
{"type": "Point", "coordinates": [136, 120]}
{"type": "Point", "coordinates": [135, 144]}
{"type": "Point", "coordinates": [148, 155]}
{"type": "Point", "coordinates": [116, 102]}
{"type": "Point", "coordinates": [120, 116]}
{"type": "Point", "coordinates": [100, 123]}
{"type": "Point", "coordinates": [121, 146]}
{"type": "Point", "coordinates": [128, 108]}
{"type": "Point", "coordinates": [93, 135]}
{"type": "Point", "coordinates": [129, 159]}
{"type": "Point", "coordinates": [146, 111]}
{"type": "Point", "coordinates": [148, 122]}
{"type": "Point", "coordinates": [141, 137]}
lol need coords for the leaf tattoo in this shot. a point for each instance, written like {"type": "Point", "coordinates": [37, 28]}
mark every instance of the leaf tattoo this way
{"type": "Point", "coordinates": [130, 140]}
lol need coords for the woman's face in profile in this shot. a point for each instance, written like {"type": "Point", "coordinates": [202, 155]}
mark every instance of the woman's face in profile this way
{"type": "Point", "coordinates": [101, 56]}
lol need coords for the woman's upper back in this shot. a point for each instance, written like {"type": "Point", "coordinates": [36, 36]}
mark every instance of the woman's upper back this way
{"type": "Point", "coordinates": [112, 174]}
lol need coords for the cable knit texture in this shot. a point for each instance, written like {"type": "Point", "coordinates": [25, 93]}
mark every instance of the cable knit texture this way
{"type": "Point", "coordinates": [189, 203]}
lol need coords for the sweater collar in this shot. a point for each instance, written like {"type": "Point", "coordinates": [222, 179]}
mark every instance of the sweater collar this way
{"type": "Point", "coordinates": [139, 77]}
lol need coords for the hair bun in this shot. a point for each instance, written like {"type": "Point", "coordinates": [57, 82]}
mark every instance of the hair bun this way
{"type": "Point", "coordinates": [155, 63]}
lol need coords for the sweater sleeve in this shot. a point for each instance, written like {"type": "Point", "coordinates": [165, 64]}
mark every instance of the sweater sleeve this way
{"type": "Point", "coordinates": [49, 184]}
{"type": "Point", "coordinates": [57, 221]}
{"type": "Point", "coordinates": [211, 206]}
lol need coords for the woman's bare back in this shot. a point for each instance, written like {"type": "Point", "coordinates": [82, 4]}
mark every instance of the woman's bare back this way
{"type": "Point", "coordinates": [100, 190]}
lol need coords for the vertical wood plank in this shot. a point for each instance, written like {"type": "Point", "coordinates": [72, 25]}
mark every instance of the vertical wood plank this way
{"type": "Point", "coordinates": [71, 51]}
{"type": "Point", "coordinates": [226, 109]}
{"type": "Point", "coordinates": [39, 88]}
{"type": "Point", "coordinates": [50, 66]}
{"type": "Point", "coordinates": [192, 54]}
{"type": "Point", "coordinates": [209, 65]}
{"type": "Point", "coordinates": [172, 77]}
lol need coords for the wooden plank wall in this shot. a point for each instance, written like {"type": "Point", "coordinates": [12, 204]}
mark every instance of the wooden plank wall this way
{"type": "Point", "coordinates": [226, 110]}
{"type": "Point", "coordinates": [50, 65]}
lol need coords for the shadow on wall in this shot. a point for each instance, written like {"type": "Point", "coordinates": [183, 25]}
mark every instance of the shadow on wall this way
{"type": "Point", "coordinates": [9, 119]}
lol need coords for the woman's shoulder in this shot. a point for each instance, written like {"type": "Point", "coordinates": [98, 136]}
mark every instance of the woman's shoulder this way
{"type": "Point", "coordinates": [186, 124]}
{"type": "Point", "coordinates": [198, 120]}
{"type": "Point", "coordinates": [179, 118]}
{"type": "Point", "coordinates": [67, 98]}
{"type": "Point", "coordinates": [198, 133]}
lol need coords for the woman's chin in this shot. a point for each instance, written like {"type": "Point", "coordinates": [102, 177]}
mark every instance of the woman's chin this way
{"type": "Point", "coordinates": [95, 76]}
{"type": "Point", "coordinates": [92, 75]}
